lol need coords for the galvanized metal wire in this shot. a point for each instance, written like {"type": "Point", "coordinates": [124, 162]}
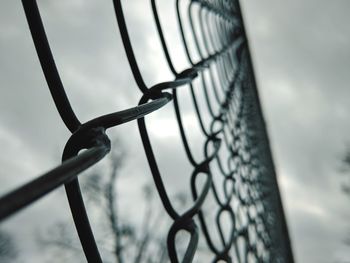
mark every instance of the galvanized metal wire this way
{"type": "Point", "coordinates": [257, 231]}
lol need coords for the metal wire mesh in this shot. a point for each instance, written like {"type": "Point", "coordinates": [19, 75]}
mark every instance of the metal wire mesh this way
{"type": "Point", "coordinates": [257, 230]}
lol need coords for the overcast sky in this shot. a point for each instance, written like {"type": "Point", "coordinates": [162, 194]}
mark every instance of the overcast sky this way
{"type": "Point", "coordinates": [301, 56]}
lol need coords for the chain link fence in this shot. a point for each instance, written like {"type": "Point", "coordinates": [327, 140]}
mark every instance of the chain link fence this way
{"type": "Point", "coordinates": [236, 142]}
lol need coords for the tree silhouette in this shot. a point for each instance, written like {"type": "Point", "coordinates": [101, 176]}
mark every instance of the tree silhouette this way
{"type": "Point", "coordinates": [123, 241]}
{"type": "Point", "coordinates": [345, 185]}
{"type": "Point", "coordinates": [345, 169]}
{"type": "Point", "coordinates": [8, 251]}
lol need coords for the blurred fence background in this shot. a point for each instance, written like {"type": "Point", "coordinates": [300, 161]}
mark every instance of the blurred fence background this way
{"type": "Point", "coordinates": [234, 166]}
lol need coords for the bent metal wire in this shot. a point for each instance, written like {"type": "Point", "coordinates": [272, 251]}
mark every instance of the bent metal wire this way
{"type": "Point", "coordinates": [258, 231]}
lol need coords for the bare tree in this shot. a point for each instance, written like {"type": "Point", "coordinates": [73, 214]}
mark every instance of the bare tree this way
{"type": "Point", "coordinates": [8, 251]}
{"type": "Point", "coordinates": [345, 185]}
{"type": "Point", "coordinates": [122, 239]}
{"type": "Point", "coordinates": [345, 169]}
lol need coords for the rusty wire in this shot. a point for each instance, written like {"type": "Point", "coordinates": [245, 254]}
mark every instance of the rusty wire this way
{"type": "Point", "coordinates": [257, 231]}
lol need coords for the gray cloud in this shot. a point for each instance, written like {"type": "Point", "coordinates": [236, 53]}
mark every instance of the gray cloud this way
{"type": "Point", "coordinates": [302, 58]}
{"type": "Point", "coordinates": [300, 50]}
